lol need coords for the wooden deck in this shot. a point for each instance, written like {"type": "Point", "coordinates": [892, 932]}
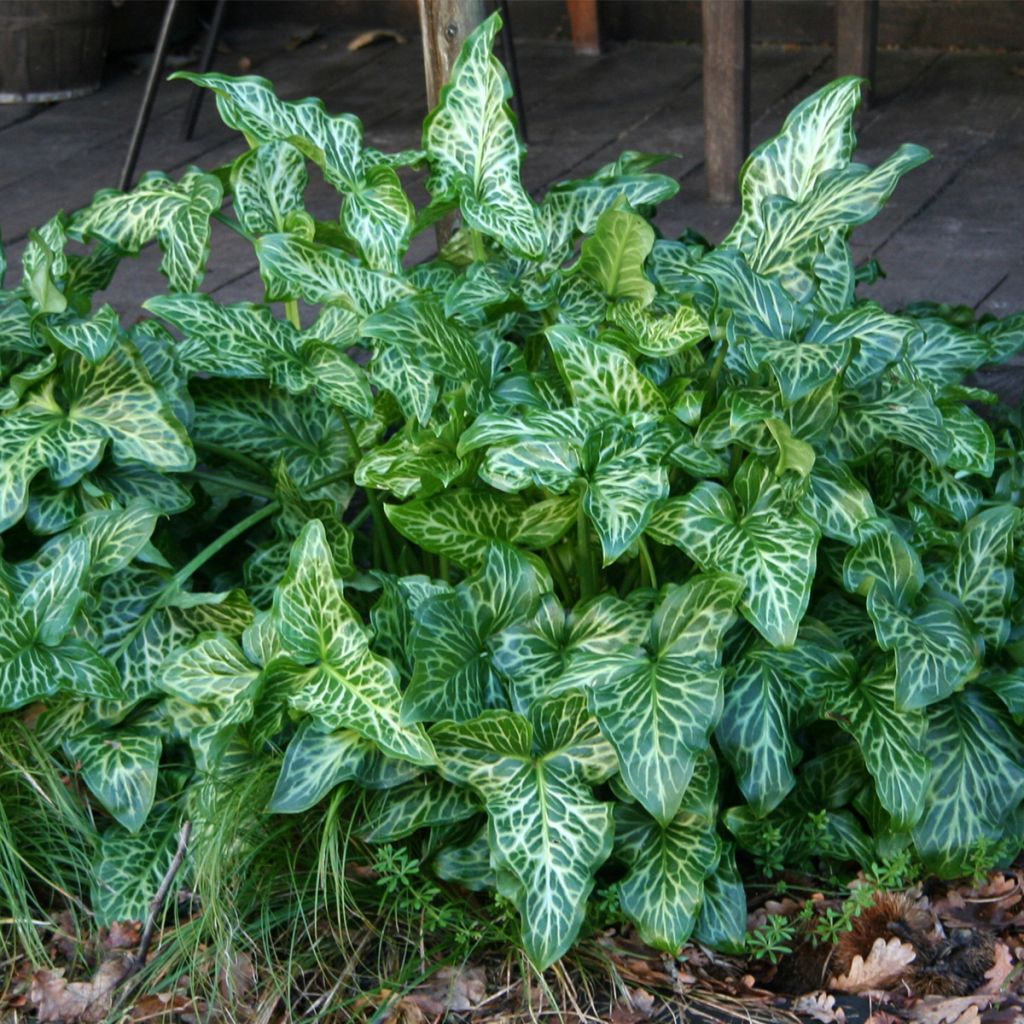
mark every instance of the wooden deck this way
{"type": "Point", "coordinates": [954, 231]}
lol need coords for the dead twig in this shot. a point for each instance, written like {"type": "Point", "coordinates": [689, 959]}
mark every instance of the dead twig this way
{"type": "Point", "coordinates": [135, 963]}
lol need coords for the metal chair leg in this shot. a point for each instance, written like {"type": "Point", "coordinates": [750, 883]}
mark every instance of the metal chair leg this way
{"type": "Point", "coordinates": [146, 108]}
{"type": "Point", "coordinates": [205, 63]}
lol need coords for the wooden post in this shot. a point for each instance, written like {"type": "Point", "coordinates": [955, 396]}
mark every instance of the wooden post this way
{"type": "Point", "coordinates": [726, 31]}
{"type": "Point", "coordinates": [857, 40]}
{"type": "Point", "coordinates": [445, 24]}
{"type": "Point", "coordinates": [586, 30]}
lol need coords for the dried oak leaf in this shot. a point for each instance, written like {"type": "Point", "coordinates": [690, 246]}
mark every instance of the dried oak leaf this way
{"type": "Point", "coordinates": [75, 1002]}
{"type": "Point", "coordinates": [883, 968]}
{"type": "Point", "coordinates": [123, 935]}
{"type": "Point", "coordinates": [1000, 970]}
{"type": "Point", "coordinates": [955, 1010]}
{"type": "Point", "coordinates": [451, 990]}
{"type": "Point", "coordinates": [820, 1006]}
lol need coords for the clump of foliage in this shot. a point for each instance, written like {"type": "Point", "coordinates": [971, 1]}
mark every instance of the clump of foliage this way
{"type": "Point", "coordinates": [576, 549]}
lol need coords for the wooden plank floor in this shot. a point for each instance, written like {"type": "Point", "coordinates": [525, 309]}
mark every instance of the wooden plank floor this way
{"type": "Point", "coordinates": [954, 230]}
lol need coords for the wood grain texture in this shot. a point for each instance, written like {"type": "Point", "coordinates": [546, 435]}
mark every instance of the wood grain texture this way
{"type": "Point", "coordinates": [726, 32]}
{"type": "Point", "coordinates": [857, 40]}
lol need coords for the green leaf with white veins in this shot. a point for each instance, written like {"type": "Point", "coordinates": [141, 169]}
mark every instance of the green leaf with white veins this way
{"type": "Point", "coordinates": [120, 770]}
{"type": "Point", "coordinates": [453, 676]}
{"type": "Point", "coordinates": [837, 501]}
{"type": "Point", "coordinates": [423, 802]}
{"type": "Point", "coordinates": [976, 783]}
{"type": "Point", "coordinates": [883, 560]}
{"type": "Point", "coordinates": [37, 657]}
{"type": "Point", "coordinates": [817, 136]}
{"type": "Point", "coordinates": [602, 377]}
{"type": "Point", "coordinates": [337, 678]}
{"type": "Point", "coordinates": [890, 742]}
{"type": "Point", "coordinates": [474, 153]}
{"type": "Point", "coordinates": [613, 256]}
{"type": "Point", "coordinates": [294, 268]}
{"type": "Point", "coordinates": [419, 327]}
{"type": "Point", "coordinates": [799, 367]}
{"type": "Point", "coordinates": [664, 889]}
{"type": "Point", "coordinates": [316, 761]}
{"type": "Point", "coordinates": [768, 693]}
{"type": "Point", "coordinates": [462, 524]}
{"type": "Point", "coordinates": [547, 832]}
{"type": "Point", "coordinates": [268, 183]}
{"type": "Point", "coordinates": [536, 655]}
{"type": "Point", "coordinates": [657, 709]}
{"type": "Point", "coordinates": [213, 671]}
{"type": "Point", "coordinates": [907, 415]}
{"type": "Point", "coordinates": [982, 576]}
{"type": "Point", "coordinates": [93, 338]}
{"type": "Point", "coordinates": [176, 214]}
{"type": "Point", "coordinates": [379, 216]}
{"type": "Point", "coordinates": [66, 431]}
{"type": "Point", "coordinates": [128, 870]}
{"type": "Point", "coordinates": [774, 552]}
{"type": "Point", "coordinates": [882, 338]}
{"type": "Point", "coordinates": [659, 336]}
{"type": "Point", "coordinates": [935, 650]}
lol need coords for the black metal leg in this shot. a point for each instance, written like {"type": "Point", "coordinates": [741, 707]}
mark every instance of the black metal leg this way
{"type": "Point", "coordinates": [205, 63]}
{"type": "Point", "coordinates": [142, 119]}
{"type": "Point", "coordinates": [508, 50]}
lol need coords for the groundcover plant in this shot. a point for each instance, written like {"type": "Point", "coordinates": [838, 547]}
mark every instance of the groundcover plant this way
{"type": "Point", "coordinates": [576, 550]}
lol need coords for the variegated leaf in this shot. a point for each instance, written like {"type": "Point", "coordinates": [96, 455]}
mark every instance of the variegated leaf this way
{"type": "Point", "coordinates": [976, 781]}
{"type": "Point", "coordinates": [120, 770]}
{"type": "Point", "coordinates": [336, 677]}
{"type": "Point", "coordinates": [882, 559]}
{"type": "Point", "coordinates": [547, 832]}
{"type": "Point", "coordinates": [837, 501]}
{"type": "Point", "coordinates": [934, 648]}
{"type": "Point", "coordinates": [890, 741]}
{"type": "Point", "coordinates": [397, 813]}
{"type": "Point", "coordinates": [722, 924]}
{"type": "Point", "coordinates": [176, 214]}
{"type": "Point", "coordinates": [773, 552]}
{"type": "Point", "coordinates": [128, 870]}
{"type": "Point", "coordinates": [664, 889]}
{"type": "Point", "coordinates": [658, 709]}
{"type": "Point", "coordinates": [268, 183]}
{"type": "Point", "coordinates": [453, 676]}
{"type": "Point", "coordinates": [317, 761]}
{"type": "Point", "coordinates": [601, 377]}
{"type": "Point", "coordinates": [474, 153]}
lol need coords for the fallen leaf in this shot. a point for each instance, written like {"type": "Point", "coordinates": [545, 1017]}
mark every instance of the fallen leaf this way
{"type": "Point", "coordinates": [75, 1002]}
{"type": "Point", "coordinates": [124, 935]}
{"type": "Point", "coordinates": [882, 969]}
{"type": "Point", "coordinates": [159, 1007]}
{"type": "Point", "coordinates": [997, 974]}
{"type": "Point", "coordinates": [376, 35]}
{"type": "Point", "coordinates": [820, 1006]}
{"type": "Point", "coordinates": [451, 990]}
{"type": "Point", "coordinates": [955, 1010]}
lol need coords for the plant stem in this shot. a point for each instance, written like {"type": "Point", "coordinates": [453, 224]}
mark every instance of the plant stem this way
{"type": "Point", "coordinates": [558, 574]}
{"type": "Point", "coordinates": [186, 571]}
{"type": "Point", "coordinates": [584, 565]}
{"type": "Point", "coordinates": [230, 455]}
{"type": "Point", "coordinates": [444, 569]}
{"type": "Point", "coordinates": [233, 224]}
{"type": "Point", "coordinates": [479, 249]}
{"type": "Point", "coordinates": [242, 486]}
{"type": "Point", "coordinates": [648, 564]}
{"type": "Point", "coordinates": [379, 520]}
{"type": "Point", "coordinates": [291, 310]}
{"type": "Point", "coordinates": [716, 370]}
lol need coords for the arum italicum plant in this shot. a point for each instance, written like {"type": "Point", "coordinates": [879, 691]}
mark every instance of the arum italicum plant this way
{"type": "Point", "coordinates": [588, 549]}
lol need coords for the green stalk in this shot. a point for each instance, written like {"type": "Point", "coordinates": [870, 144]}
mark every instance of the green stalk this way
{"type": "Point", "coordinates": [444, 568]}
{"type": "Point", "coordinates": [584, 562]}
{"type": "Point", "coordinates": [186, 571]}
{"type": "Point", "coordinates": [230, 455]}
{"type": "Point", "coordinates": [291, 310]}
{"type": "Point", "coordinates": [558, 574]}
{"type": "Point", "coordinates": [479, 249]}
{"type": "Point", "coordinates": [379, 520]}
{"type": "Point", "coordinates": [242, 486]}
{"type": "Point", "coordinates": [233, 224]}
{"type": "Point", "coordinates": [648, 564]}
{"type": "Point", "coordinates": [716, 370]}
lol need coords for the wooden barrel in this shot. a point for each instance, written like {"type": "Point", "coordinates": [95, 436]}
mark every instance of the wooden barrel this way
{"type": "Point", "coordinates": [51, 49]}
